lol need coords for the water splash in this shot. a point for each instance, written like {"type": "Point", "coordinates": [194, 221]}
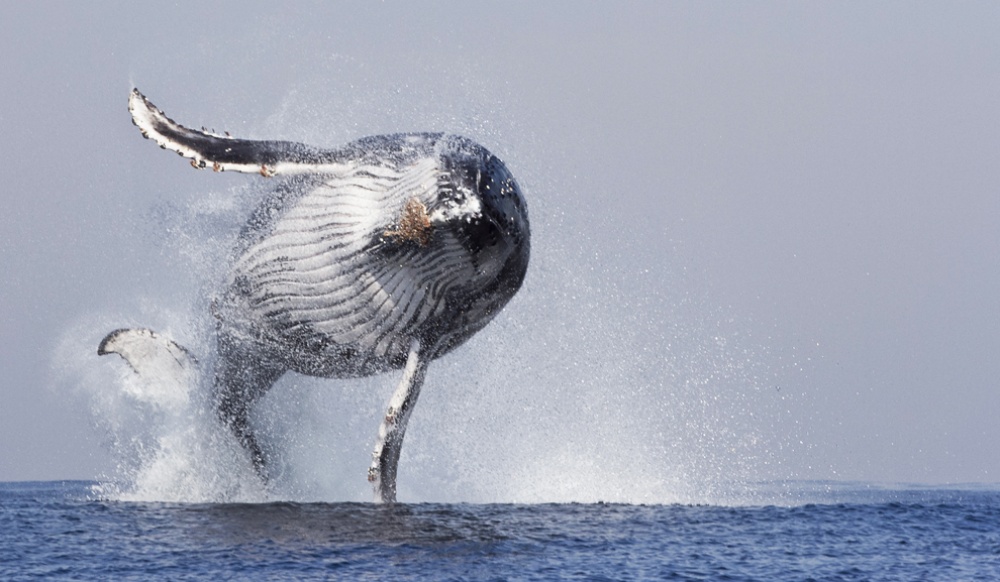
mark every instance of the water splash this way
{"type": "Point", "coordinates": [585, 391]}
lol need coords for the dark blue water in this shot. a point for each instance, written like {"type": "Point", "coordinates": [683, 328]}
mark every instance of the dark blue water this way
{"type": "Point", "coordinates": [58, 530]}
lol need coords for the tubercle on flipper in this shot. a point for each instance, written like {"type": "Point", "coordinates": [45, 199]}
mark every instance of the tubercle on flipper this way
{"type": "Point", "coordinates": [154, 125]}
{"type": "Point", "coordinates": [152, 108]}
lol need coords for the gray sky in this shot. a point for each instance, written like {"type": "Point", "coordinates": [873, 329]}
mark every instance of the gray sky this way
{"type": "Point", "coordinates": [769, 231]}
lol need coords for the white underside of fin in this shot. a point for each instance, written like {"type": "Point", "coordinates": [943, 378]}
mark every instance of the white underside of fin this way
{"type": "Point", "coordinates": [385, 458]}
{"type": "Point", "coordinates": [170, 135]}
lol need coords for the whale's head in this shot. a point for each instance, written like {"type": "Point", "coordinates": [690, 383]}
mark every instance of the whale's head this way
{"type": "Point", "coordinates": [480, 204]}
{"type": "Point", "coordinates": [481, 201]}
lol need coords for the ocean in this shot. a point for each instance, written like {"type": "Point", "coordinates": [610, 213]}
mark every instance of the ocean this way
{"type": "Point", "coordinates": [810, 531]}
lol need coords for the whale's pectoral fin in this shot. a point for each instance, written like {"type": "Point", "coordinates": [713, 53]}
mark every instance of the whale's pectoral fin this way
{"type": "Point", "coordinates": [222, 152]}
{"type": "Point", "coordinates": [385, 459]}
{"type": "Point", "coordinates": [242, 376]}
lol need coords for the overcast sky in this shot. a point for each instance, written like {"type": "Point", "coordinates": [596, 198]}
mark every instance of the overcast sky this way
{"type": "Point", "coordinates": [771, 231]}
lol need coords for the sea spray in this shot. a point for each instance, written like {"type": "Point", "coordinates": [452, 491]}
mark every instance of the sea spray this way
{"type": "Point", "coordinates": [589, 389]}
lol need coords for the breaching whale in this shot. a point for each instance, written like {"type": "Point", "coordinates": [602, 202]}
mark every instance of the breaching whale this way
{"type": "Point", "coordinates": [380, 255]}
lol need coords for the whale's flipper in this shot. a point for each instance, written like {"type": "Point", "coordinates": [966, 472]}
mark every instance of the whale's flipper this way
{"type": "Point", "coordinates": [167, 369]}
{"type": "Point", "coordinates": [382, 472]}
{"type": "Point", "coordinates": [223, 152]}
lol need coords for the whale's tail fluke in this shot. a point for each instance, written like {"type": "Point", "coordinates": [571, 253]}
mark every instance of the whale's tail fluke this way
{"type": "Point", "coordinates": [148, 352]}
{"type": "Point", "coordinates": [167, 370]}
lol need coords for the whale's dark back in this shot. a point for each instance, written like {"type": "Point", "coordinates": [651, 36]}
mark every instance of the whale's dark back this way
{"type": "Point", "coordinates": [323, 284]}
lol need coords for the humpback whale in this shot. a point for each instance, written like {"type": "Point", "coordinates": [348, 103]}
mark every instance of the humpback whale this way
{"type": "Point", "coordinates": [383, 254]}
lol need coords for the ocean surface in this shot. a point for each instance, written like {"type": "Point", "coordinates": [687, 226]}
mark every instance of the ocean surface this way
{"type": "Point", "coordinates": [813, 531]}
